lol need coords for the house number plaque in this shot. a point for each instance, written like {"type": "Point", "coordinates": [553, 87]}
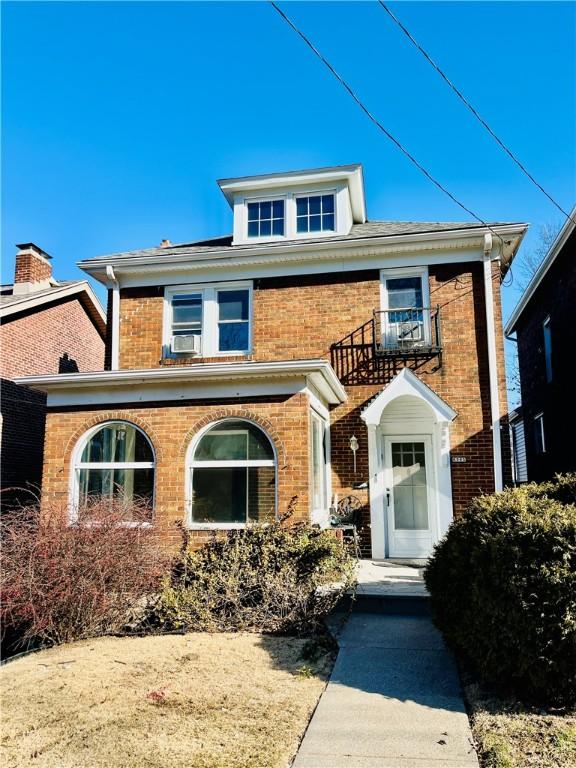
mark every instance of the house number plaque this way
{"type": "Point", "coordinates": [459, 459]}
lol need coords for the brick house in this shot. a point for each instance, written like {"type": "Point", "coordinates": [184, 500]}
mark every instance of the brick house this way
{"type": "Point", "coordinates": [311, 354]}
{"type": "Point", "coordinates": [544, 321]}
{"type": "Point", "coordinates": [48, 326]}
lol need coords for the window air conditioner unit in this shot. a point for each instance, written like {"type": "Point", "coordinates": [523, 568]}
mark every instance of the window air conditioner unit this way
{"type": "Point", "coordinates": [410, 332]}
{"type": "Point", "coordinates": [191, 343]}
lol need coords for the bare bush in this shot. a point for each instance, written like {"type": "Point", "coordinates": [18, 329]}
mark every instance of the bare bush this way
{"type": "Point", "coordinates": [63, 582]}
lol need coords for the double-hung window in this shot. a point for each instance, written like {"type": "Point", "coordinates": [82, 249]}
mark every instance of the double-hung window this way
{"type": "Point", "coordinates": [208, 320]}
{"type": "Point", "coordinates": [405, 319]}
{"type": "Point", "coordinates": [266, 218]}
{"type": "Point", "coordinates": [315, 213]}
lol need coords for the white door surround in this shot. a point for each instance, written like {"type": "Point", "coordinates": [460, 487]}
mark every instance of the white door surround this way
{"type": "Point", "coordinates": [408, 411]}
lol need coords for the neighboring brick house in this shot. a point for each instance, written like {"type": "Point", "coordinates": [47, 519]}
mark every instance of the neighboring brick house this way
{"type": "Point", "coordinates": [545, 324]}
{"type": "Point", "coordinates": [48, 326]}
{"type": "Point", "coordinates": [240, 369]}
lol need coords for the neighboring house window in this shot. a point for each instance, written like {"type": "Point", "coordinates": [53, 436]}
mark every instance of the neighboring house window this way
{"type": "Point", "coordinates": [539, 441]}
{"type": "Point", "coordinates": [266, 218]}
{"type": "Point", "coordinates": [233, 476]}
{"type": "Point", "coordinates": [547, 331]}
{"type": "Point", "coordinates": [318, 453]}
{"type": "Point", "coordinates": [315, 213]}
{"type": "Point", "coordinates": [405, 316]}
{"type": "Point", "coordinates": [115, 462]}
{"type": "Point", "coordinates": [208, 320]}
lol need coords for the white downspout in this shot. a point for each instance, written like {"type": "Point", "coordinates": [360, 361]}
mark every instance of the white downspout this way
{"type": "Point", "coordinates": [492, 363]}
{"type": "Point", "coordinates": [115, 351]}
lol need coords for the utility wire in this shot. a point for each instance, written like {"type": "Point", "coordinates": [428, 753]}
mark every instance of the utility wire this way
{"type": "Point", "coordinates": [476, 114]}
{"type": "Point", "coordinates": [379, 125]}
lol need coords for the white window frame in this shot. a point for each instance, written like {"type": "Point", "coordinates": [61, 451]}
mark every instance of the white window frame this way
{"type": "Point", "coordinates": [547, 334]}
{"type": "Point", "coordinates": [316, 193]}
{"type": "Point", "coordinates": [191, 464]}
{"type": "Point", "coordinates": [210, 318]}
{"type": "Point", "coordinates": [539, 423]}
{"type": "Point", "coordinates": [76, 465]}
{"type": "Point", "coordinates": [265, 199]}
{"type": "Point", "coordinates": [391, 274]}
{"type": "Point", "coordinates": [320, 513]}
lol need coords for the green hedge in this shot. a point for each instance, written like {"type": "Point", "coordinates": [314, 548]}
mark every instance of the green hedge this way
{"type": "Point", "coordinates": [503, 587]}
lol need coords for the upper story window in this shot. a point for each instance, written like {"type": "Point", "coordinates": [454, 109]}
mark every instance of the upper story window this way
{"type": "Point", "coordinates": [208, 320]}
{"type": "Point", "coordinates": [315, 213]}
{"type": "Point", "coordinates": [547, 331]}
{"type": "Point", "coordinates": [266, 218]}
{"type": "Point", "coordinates": [405, 315]}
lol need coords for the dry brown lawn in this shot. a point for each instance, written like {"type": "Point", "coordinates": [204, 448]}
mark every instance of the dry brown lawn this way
{"type": "Point", "coordinates": [511, 736]}
{"type": "Point", "coordinates": [197, 700]}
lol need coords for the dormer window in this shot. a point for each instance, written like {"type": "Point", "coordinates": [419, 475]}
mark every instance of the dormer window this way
{"type": "Point", "coordinates": [315, 213]}
{"type": "Point", "coordinates": [266, 218]}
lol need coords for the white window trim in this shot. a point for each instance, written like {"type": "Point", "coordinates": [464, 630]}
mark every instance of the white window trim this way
{"type": "Point", "coordinates": [319, 513]}
{"type": "Point", "coordinates": [190, 465]}
{"type": "Point", "coordinates": [539, 420]}
{"type": "Point", "coordinates": [547, 334]}
{"type": "Point", "coordinates": [76, 465]}
{"type": "Point", "coordinates": [209, 336]}
{"type": "Point", "coordinates": [265, 199]}
{"type": "Point", "coordinates": [422, 273]}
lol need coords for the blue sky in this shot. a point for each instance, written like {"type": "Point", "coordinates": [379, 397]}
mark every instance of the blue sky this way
{"type": "Point", "coordinates": [119, 117]}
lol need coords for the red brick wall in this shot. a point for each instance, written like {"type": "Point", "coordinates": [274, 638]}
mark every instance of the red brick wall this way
{"type": "Point", "coordinates": [34, 342]}
{"type": "Point", "coordinates": [171, 427]}
{"type": "Point", "coordinates": [31, 268]}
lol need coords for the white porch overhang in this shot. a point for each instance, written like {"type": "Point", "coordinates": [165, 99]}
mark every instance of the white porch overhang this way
{"type": "Point", "coordinates": [191, 382]}
{"type": "Point", "coordinates": [407, 383]}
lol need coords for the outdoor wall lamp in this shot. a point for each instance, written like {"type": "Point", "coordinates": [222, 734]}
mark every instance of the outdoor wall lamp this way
{"type": "Point", "coordinates": [354, 448]}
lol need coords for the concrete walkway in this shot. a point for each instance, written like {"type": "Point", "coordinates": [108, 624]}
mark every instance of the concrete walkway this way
{"type": "Point", "coordinates": [388, 578]}
{"type": "Point", "coordinates": [393, 701]}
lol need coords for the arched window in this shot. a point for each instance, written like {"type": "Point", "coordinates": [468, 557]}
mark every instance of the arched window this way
{"type": "Point", "coordinates": [233, 476]}
{"type": "Point", "coordinates": [115, 462]}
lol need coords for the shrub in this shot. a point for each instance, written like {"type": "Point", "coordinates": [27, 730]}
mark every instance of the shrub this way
{"type": "Point", "coordinates": [275, 578]}
{"type": "Point", "coordinates": [503, 587]}
{"type": "Point", "coordinates": [63, 582]}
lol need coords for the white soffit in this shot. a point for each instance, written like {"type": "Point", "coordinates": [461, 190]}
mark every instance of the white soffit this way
{"type": "Point", "coordinates": [407, 383]}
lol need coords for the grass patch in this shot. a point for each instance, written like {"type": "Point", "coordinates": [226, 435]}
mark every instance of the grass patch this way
{"type": "Point", "coordinates": [510, 735]}
{"type": "Point", "coordinates": [196, 700]}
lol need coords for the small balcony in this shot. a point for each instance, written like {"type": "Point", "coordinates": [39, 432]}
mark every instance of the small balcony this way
{"type": "Point", "coordinates": [407, 332]}
{"type": "Point", "coordinates": [390, 340]}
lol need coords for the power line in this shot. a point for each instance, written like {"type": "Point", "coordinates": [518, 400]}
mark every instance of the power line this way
{"type": "Point", "coordinates": [379, 125]}
{"type": "Point", "coordinates": [476, 114]}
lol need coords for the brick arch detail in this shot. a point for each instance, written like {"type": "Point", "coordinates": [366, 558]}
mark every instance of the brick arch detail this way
{"type": "Point", "coordinates": [102, 418]}
{"type": "Point", "coordinates": [236, 413]}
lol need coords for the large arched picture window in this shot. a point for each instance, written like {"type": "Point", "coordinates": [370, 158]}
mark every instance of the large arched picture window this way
{"type": "Point", "coordinates": [233, 476]}
{"type": "Point", "coordinates": [115, 462]}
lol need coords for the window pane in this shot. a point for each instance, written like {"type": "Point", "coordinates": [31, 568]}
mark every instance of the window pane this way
{"type": "Point", "coordinates": [123, 485]}
{"type": "Point", "coordinates": [117, 442]}
{"type": "Point", "coordinates": [328, 221]}
{"type": "Point", "coordinates": [233, 337]}
{"type": "Point", "coordinates": [302, 224]}
{"type": "Point", "coordinates": [261, 494]}
{"type": "Point", "coordinates": [187, 309]}
{"type": "Point", "coordinates": [404, 292]}
{"type": "Point", "coordinates": [233, 305]}
{"type": "Point", "coordinates": [253, 229]}
{"type": "Point", "coordinates": [265, 228]}
{"type": "Point", "coordinates": [278, 227]}
{"type": "Point", "coordinates": [222, 446]}
{"type": "Point", "coordinates": [315, 224]}
{"type": "Point", "coordinates": [328, 203]}
{"type": "Point", "coordinates": [278, 209]}
{"type": "Point", "coordinates": [219, 495]}
{"type": "Point", "coordinates": [314, 204]}
{"type": "Point", "coordinates": [253, 210]}
{"type": "Point", "coordinates": [301, 206]}
{"type": "Point", "coordinates": [410, 487]}
{"type": "Point", "coordinates": [266, 210]}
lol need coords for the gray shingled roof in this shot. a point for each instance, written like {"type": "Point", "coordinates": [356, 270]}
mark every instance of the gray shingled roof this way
{"type": "Point", "coordinates": [7, 297]}
{"type": "Point", "coordinates": [375, 229]}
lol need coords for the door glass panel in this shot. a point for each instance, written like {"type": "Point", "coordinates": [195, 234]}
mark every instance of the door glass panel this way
{"type": "Point", "coordinates": [409, 486]}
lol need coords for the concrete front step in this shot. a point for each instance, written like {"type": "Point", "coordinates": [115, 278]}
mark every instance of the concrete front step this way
{"type": "Point", "coordinates": [400, 605]}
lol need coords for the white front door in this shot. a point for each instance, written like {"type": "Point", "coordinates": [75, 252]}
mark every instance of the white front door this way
{"type": "Point", "coordinates": [408, 496]}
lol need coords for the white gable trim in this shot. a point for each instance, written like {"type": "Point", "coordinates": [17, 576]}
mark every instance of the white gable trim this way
{"type": "Point", "coordinates": [407, 383]}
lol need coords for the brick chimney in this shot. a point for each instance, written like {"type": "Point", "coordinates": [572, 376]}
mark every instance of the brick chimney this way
{"type": "Point", "coordinates": [33, 269]}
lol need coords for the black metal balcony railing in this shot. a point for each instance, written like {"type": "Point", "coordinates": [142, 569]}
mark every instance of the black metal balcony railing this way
{"type": "Point", "coordinates": [390, 340]}
{"type": "Point", "coordinates": [407, 331]}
